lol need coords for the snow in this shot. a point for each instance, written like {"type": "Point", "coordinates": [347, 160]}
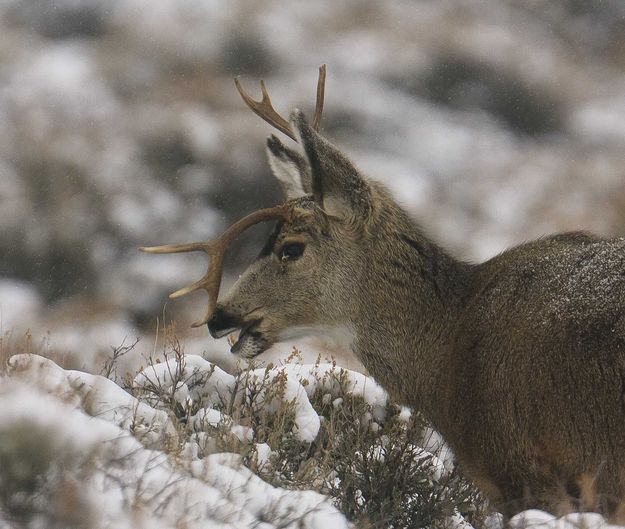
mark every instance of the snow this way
{"type": "Point", "coordinates": [20, 305]}
{"type": "Point", "coordinates": [541, 520]}
{"type": "Point", "coordinates": [119, 446]}
{"type": "Point", "coordinates": [198, 379]}
{"type": "Point", "coordinates": [263, 453]}
{"type": "Point", "coordinates": [433, 442]}
{"type": "Point", "coordinates": [120, 443]}
{"type": "Point", "coordinates": [194, 378]}
{"type": "Point", "coordinates": [98, 396]}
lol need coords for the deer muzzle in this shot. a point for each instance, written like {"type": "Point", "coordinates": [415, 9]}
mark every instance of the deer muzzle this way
{"type": "Point", "coordinates": [250, 342]}
{"type": "Point", "coordinates": [223, 323]}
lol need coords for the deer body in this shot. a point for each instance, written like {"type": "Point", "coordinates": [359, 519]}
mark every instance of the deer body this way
{"type": "Point", "coordinates": [537, 395]}
{"type": "Point", "coordinates": [519, 362]}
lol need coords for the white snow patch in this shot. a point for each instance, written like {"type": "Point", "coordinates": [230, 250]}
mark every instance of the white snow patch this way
{"type": "Point", "coordinates": [92, 424]}
{"type": "Point", "coordinates": [20, 305]}
{"type": "Point", "coordinates": [197, 379]}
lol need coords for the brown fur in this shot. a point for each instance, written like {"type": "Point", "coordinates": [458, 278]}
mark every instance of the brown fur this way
{"type": "Point", "coordinates": [519, 362]}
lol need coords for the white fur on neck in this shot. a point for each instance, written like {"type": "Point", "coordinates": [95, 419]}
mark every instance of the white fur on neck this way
{"type": "Point", "coordinates": [341, 335]}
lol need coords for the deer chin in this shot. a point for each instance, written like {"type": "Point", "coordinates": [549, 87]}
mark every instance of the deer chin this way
{"type": "Point", "coordinates": [251, 341]}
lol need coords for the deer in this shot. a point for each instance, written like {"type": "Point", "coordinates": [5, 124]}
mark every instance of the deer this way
{"type": "Point", "coordinates": [519, 361]}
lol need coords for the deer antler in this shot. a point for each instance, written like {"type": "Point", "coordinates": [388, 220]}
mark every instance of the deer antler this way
{"type": "Point", "coordinates": [216, 250]}
{"type": "Point", "coordinates": [265, 110]}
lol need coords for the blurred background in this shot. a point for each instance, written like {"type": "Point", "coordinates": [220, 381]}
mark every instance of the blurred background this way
{"type": "Point", "coordinates": [492, 122]}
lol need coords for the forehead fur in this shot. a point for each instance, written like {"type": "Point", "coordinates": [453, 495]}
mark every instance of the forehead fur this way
{"type": "Point", "coordinates": [305, 202]}
{"type": "Point", "coordinates": [305, 217]}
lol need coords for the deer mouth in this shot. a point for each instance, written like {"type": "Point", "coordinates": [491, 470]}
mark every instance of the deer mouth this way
{"type": "Point", "coordinates": [250, 342]}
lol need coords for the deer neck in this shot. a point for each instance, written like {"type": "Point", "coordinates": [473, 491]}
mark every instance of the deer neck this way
{"type": "Point", "coordinates": [411, 293]}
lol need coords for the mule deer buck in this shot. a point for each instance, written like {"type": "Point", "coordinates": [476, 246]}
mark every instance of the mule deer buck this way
{"type": "Point", "coordinates": [519, 362]}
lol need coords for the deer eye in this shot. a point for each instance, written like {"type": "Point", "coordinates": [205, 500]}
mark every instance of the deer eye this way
{"type": "Point", "coordinates": [291, 251]}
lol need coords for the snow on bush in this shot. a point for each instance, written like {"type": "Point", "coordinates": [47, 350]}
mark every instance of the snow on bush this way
{"type": "Point", "coordinates": [96, 395]}
{"type": "Point", "coordinates": [535, 519]}
{"type": "Point", "coordinates": [78, 450]}
{"type": "Point", "coordinates": [188, 445]}
{"type": "Point", "coordinates": [194, 379]}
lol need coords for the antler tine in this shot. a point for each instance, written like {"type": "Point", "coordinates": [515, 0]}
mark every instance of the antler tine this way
{"type": "Point", "coordinates": [211, 281]}
{"type": "Point", "coordinates": [216, 249]}
{"type": "Point", "coordinates": [265, 110]}
{"type": "Point", "coordinates": [321, 86]}
{"type": "Point", "coordinates": [177, 248]}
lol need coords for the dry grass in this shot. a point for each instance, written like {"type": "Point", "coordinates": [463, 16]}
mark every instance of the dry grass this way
{"type": "Point", "coordinates": [372, 469]}
{"type": "Point", "coordinates": [12, 343]}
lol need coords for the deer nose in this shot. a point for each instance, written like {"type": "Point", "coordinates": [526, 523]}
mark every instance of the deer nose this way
{"type": "Point", "coordinates": [222, 323]}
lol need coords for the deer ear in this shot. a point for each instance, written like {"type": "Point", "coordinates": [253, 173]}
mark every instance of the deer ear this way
{"type": "Point", "coordinates": [290, 168]}
{"type": "Point", "coordinates": [337, 186]}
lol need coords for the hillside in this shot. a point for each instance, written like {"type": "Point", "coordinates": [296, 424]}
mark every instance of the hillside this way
{"type": "Point", "coordinates": [491, 121]}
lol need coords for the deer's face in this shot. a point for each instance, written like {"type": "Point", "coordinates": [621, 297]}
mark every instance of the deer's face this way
{"type": "Point", "coordinates": [282, 289]}
{"type": "Point", "coordinates": [295, 279]}
{"type": "Point", "coordinates": [313, 252]}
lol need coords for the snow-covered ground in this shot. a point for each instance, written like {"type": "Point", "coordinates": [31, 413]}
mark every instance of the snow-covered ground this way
{"type": "Point", "coordinates": [110, 460]}
{"type": "Point", "coordinates": [78, 450]}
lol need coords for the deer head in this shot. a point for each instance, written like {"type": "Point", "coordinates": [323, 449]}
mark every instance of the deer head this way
{"type": "Point", "coordinates": [303, 264]}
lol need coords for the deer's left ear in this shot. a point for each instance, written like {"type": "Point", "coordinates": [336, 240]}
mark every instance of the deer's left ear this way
{"type": "Point", "coordinates": [290, 168]}
{"type": "Point", "coordinates": [337, 186]}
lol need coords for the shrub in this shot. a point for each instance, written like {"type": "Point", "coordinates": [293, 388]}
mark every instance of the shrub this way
{"type": "Point", "coordinates": [364, 455]}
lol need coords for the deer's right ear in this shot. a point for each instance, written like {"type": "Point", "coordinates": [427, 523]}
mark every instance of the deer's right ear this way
{"type": "Point", "coordinates": [290, 168]}
{"type": "Point", "coordinates": [337, 186]}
